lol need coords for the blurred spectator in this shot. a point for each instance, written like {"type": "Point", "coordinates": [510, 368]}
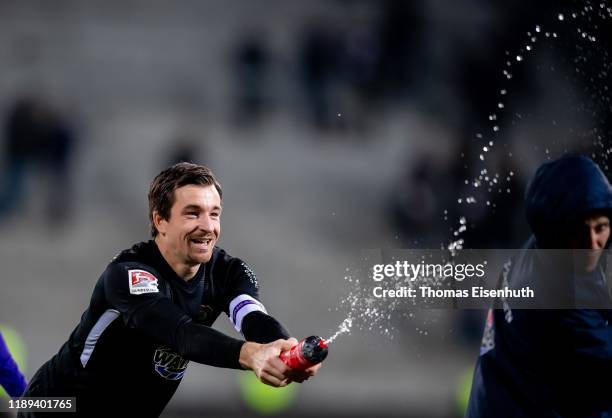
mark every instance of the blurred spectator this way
{"type": "Point", "coordinates": [345, 67]}
{"type": "Point", "coordinates": [318, 60]}
{"type": "Point", "coordinates": [400, 31]}
{"type": "Point", "coordinates": [498, 223]}
{"type": "Point", "coordinates": [251, 71]}
{"type": "Point", "coordinates": [415, 206]}
{"type": "Point", "coordinates": [36, 137]}
{"type": "Point", "coordinates": [358, 60]}
{"type": "Point", "coordinates": [181, 148]}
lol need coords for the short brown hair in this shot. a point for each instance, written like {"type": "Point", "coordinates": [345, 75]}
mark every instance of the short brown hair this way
{"type": "Point", "coordinates": [161, 191]}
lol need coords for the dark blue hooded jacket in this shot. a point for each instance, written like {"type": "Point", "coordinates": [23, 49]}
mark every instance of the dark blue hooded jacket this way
{"type": "Point", "coordinates": [550, 362]}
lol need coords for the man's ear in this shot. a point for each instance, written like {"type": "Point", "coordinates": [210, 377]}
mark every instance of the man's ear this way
{"type": "Point", "coordinates": [160, 223]}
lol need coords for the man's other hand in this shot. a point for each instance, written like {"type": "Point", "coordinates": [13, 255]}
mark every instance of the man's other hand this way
{"type": "Point", "coordinates": [265, 362]}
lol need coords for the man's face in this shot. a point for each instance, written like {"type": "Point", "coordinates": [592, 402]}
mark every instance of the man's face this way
{"type": "Point", "coordinates": [592, 235]}
{"type": "Point", "coordinates": [194, 224]}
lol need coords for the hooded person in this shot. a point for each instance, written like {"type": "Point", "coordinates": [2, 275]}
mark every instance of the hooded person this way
{"type": "Point", "coordinates": [556, 360]}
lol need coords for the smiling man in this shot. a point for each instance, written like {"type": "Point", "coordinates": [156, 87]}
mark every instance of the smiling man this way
{"type": "Point", "coordinates": [152, 308]}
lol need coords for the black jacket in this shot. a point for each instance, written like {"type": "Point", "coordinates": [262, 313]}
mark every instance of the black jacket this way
{"type": "Point", "coordinates": [143, 326]}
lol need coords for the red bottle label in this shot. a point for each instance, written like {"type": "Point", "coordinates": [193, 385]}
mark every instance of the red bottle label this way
{"type": "Point", "coordinates": [294, 358]}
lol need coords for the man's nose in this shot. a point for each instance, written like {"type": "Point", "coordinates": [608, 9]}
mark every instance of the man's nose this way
{"type": "Point", "coordinates": [595, 244]}
{"type": "Point", "coordinates": [206, 223]}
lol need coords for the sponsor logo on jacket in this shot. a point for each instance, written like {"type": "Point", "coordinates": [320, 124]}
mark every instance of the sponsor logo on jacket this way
{"type": "Point", "coordinates": [169, 364]}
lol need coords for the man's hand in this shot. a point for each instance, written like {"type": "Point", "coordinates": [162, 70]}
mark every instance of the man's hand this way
{"type": "Point", "coordinates": [264, 360]}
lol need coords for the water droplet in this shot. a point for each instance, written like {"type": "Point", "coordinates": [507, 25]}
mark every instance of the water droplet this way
{"type": "Point", "coordinates": [339, 114]}
{"type": "Point", "coordinates": [502, 91]}
{"type": "Point", "coordinates": [500, 105]}
{"type": "Point", "coordinates": [519, 58]}
{"type": "Point", "coordinates": [481, 157]}
{"type": "Point", "coordinates": [462, 220]}
{"type": "Point", "coordinates": [496, 128]}
{"type": "Point", "coordinates": [561, 17]}
{"type": "Point", "coordinates": [485, 149]}
{"type": "Point", "coordinates": [537, 28]}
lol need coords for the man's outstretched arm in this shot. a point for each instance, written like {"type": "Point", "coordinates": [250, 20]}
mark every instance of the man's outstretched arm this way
{"type": "Point", "coordinates": [158, 317]}
{"type": "Point", "coordinates": [262, 328]}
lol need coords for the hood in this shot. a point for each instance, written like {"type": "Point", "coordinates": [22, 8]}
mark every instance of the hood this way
{"type": "Point", "coordinates": [562, 193]}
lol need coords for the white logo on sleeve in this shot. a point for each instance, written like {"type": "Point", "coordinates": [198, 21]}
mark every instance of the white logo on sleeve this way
{"type": "Point", "coordinates": [251, 275]}
{"type": "Point", "coordinates": [142, 281]}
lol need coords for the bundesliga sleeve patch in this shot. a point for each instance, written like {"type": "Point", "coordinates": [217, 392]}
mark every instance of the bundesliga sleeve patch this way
{"type": "Point", "coordinates": [142, 281]}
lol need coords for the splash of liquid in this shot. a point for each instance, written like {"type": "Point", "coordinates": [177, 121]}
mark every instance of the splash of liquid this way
{"type": "Point", "coordinates": [486, 183]}
{"type": "Point", "coordinates": [585, 20]}
{"type": "Point", "coordinates": [364, 312]}
{"type": "Point", "coordinates": [344, 328]}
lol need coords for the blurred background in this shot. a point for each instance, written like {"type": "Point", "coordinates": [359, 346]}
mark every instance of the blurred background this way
{"type": "Point", "coordinates": [333, 126]}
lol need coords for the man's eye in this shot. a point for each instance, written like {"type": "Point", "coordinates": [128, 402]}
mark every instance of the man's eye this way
{"type": "Point", "coordinates": [192, 214]}
{"type": "Point", "coordinates": [215, 215]}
